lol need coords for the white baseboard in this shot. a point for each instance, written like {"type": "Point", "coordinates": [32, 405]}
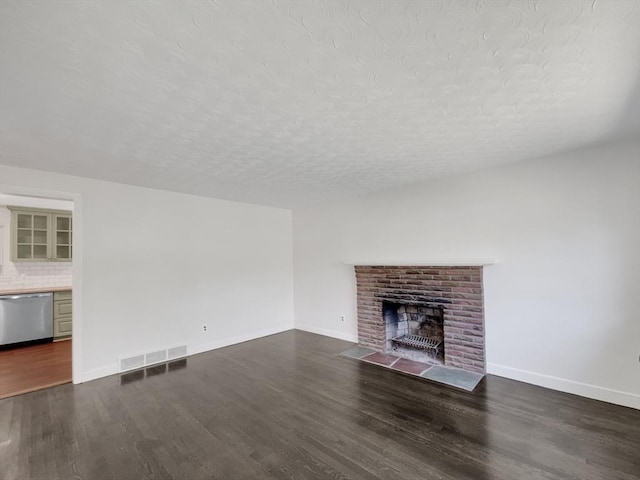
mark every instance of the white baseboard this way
{"type": "Point", "coordinates": [225, 342]}
{"type": "Point", "coordinates": [194, 349]}
{"type": "Point", "coordinates": [349, 337]}
{"type": "Point", "coordinates": [100, 372]}
{"type": "Point", "coordinates": [596, 392]}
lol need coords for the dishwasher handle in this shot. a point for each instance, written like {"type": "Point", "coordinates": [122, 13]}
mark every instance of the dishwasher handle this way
{"type": "Point", "coordinates": [24, 295]}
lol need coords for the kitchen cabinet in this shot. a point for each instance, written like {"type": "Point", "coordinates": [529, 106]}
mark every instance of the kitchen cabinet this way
{"type": "Point", "coordinates": [62, 314]}
{"type": "Point", "coordinates": [39, 235]}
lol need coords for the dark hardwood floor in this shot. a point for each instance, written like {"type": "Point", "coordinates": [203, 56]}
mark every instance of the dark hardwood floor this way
{"type": "Point", "coordinates": [287, 406]}
{"type": "Point", "coordinates": [27, 369]}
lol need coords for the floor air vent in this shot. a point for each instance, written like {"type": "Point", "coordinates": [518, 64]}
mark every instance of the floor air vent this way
{"type": "Point", "coordinates": [150, 358]}
{"type": "Point", "coordinates": [129, 363]}
{"type": "Point", "coordinates": [177, 352]}
{"type": "Point", "coordinates": [155, 357]}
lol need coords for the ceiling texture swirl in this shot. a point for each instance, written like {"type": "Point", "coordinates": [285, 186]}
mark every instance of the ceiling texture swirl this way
{"type": "Point", "coordinates": [291, 103]}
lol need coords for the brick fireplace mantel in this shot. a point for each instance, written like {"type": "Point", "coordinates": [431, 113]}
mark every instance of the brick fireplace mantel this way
{"type": "Point", "coordinates": [457, 288]}
{"type": "Point", "coordinates": [477, 262]}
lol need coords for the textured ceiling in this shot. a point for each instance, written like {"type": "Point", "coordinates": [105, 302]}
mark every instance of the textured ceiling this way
{"type": "Point", "coordinates": [294, 102]}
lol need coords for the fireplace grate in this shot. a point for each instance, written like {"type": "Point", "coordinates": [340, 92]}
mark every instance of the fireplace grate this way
{"type": "Point", "coordinates": [416, 341]}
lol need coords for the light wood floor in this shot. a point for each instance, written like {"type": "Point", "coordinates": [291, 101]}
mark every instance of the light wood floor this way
{"type": "Point", "coordinates": [27, 369]}
{"type": "Point", "coordinates": [289, 407]}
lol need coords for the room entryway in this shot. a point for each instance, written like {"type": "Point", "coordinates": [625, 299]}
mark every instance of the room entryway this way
{"type": "Point", "coordinates": [36, 295]}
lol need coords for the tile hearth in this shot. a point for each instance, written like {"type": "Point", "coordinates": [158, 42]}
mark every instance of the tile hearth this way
{"type": "Point", "coordinates": [454, 377]}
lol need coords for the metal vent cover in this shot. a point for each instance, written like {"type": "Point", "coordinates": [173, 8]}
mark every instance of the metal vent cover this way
{"type": "Point", "coordinates": [150, 358]}
{"type": "Point", "coordinates": [130, 363]}
{"type": "Point", "coordinates": [177, 352]}
{"type": "Point", "coordinates": [155, 357]}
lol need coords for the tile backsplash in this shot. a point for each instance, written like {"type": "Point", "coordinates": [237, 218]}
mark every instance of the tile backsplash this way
{"type": "Point", "coordinates": [14, 276]}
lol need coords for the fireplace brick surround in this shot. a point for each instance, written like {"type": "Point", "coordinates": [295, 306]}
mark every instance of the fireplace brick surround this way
{"type": "Point", "coordinates": [456, 288]}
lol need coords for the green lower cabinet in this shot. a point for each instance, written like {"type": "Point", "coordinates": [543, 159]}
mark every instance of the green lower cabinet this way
{"type": "Point", "coordinates": [62, 314]}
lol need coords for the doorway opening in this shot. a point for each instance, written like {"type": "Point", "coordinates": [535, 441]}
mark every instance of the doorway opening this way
{"type": "Point", "coordinates": [39, 314]}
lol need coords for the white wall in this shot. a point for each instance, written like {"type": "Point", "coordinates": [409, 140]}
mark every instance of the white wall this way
{"type": "Point", "coordinates": [562, 306]}
{"type": "Point", "coordinates": [152, 267]}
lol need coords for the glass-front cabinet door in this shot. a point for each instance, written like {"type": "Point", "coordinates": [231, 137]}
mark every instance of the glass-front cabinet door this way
{"type": "Point", "coordinates": [63, 225]}
{"type": "Point", "coordinates": [32, 236]}
{"type": "Point", "coordinates": [39, 235]}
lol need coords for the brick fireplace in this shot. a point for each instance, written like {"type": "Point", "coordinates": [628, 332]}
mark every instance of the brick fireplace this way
{"type": "Point", "coordinates": [432, 314]}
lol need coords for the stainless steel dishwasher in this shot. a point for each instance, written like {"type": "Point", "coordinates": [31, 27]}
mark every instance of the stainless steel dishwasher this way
{"type": "Point", "coordinates": [25, 318]}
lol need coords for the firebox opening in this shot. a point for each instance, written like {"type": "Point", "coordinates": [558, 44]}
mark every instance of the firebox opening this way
{"type": "Point", "coordinates": [415, 331]}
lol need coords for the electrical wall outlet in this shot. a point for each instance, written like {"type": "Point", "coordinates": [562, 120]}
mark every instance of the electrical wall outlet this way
{"type": "Point", "coordinates": [204, 328]}
{"type": "Point", "coordinates": [342, 318]}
